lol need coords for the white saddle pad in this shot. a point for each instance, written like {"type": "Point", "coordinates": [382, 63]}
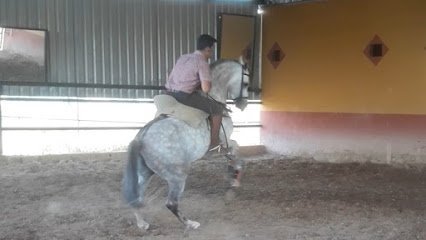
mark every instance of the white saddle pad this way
{"type": "Point", "coordinates": [167, 104]}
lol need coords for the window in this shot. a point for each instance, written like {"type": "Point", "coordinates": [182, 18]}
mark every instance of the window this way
{"type": "Point", "coordinates": [22, 55]}
{"type": "Point", "coordinates": [276, 55]}
{"type": "Point", "coordinates": [376, 50]}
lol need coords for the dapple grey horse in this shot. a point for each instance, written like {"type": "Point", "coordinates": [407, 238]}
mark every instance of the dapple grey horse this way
{"type": "Point", "coordinates": [167, 146]}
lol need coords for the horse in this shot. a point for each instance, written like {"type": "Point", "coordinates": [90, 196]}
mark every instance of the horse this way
{"type": "Point", "coordinates": [167, 146]}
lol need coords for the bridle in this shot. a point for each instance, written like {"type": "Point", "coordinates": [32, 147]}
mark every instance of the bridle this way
{"type": "Point", "coordinates": [240, 96]}
{"type": "Point", "coordinates": [243, 73]}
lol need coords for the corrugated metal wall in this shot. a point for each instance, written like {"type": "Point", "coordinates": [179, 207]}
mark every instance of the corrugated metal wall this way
{"type": "Point", "coordinates": [124, 42]}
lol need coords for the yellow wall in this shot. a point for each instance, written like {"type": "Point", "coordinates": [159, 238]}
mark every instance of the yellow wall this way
{"type": "Point", "coordinates": [237, 34]}
{"type": "Point", "coordinates": [325, 69]}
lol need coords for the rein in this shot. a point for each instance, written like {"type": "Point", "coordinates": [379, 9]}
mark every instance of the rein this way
{"type": "Point", "coordinates": [243, 67]}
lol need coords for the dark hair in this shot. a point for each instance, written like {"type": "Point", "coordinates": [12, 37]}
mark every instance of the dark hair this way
{"type": "Point", "coordinates": [204, 41]}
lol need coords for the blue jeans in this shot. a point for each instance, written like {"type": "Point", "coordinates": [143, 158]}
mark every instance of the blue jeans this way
{"type": "Point", "coordinates": [198, 101]}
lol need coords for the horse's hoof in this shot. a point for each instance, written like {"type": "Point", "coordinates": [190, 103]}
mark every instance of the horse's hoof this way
{"type": "Point", "coordinates": [144, 226]}
{"type": "Point", "coordinates": [235, 183]}
{"type": "Point", "coordinates": [192, 224]}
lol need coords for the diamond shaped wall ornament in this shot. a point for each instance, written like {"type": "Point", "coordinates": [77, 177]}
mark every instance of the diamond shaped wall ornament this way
{"type": "Point", "coordinates": [275, 55]}
{"type": "Point", "coordinates": [376, 50]}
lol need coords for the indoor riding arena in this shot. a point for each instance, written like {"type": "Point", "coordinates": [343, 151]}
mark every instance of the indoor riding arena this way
{"type": "Point", "coordinates": [331, 145]}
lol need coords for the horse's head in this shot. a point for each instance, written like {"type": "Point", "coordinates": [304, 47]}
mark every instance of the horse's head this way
{"type": "Point", "coordinates": [241, 100]}
{"type": "Point", "coordinates": [234, 77]}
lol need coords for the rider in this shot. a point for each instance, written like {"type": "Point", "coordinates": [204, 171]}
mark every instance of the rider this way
{"type": "Point", "coordinates": [190, 73]}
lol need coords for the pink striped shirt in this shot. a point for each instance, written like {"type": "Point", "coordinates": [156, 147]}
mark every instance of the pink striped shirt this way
{"type": "Point", "coordinates": [188, 72]}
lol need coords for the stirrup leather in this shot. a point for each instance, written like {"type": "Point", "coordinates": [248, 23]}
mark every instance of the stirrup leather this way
{"type": "Point", "coordinates": [215, 148]}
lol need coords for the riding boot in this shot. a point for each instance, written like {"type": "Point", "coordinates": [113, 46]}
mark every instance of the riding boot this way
{"type": "Point", "coordinates": [215, 122]}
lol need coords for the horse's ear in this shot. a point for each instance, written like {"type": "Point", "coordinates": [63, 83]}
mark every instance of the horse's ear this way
{"type": "Point", "coordinates": [243, 61]}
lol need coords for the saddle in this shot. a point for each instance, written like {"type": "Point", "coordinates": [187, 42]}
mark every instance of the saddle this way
{"type": "Point", "coordinates": [168, 105]}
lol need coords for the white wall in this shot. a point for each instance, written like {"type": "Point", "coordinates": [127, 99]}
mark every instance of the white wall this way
{"type": "Point", "coordinates": [72, 114]}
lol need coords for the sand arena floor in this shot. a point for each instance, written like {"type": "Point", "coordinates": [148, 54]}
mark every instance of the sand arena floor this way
{"type": "Point", "coordinates": [78, 197]}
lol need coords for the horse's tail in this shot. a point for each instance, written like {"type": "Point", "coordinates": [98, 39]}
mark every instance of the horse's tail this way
{"type": "Point", "coordinates": [135, 175]}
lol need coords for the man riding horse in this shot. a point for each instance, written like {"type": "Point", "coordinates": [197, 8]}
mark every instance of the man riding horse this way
{"type": "Point", "coordinates": [190, 73]}
{"type": "Point", "coordinates": [167, 146]}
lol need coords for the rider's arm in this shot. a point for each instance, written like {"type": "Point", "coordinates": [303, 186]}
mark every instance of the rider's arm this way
{"type": "Point", "coordinates": [204, 75]}
{"type": "Point", "coordinates": [205, 86]}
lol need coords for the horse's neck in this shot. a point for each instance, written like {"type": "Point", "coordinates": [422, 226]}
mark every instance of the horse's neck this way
{"type": "Point", "coordinates": [222, 74]}
{"type": "Point", "coordinates": [219, 91]}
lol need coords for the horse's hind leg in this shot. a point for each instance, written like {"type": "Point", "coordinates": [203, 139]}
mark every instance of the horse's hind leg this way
{"type": "Point", "coordinates": [176, 188]}
{"type": "Point", "coordinates": [136, 177]}
{"type": "Point", "coordinates": [144, 176]}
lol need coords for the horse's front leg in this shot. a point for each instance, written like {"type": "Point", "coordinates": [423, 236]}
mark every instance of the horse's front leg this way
{"type": "Point", "coordinates": [235, 164]}
{"type": "Point", "coordinates": [234, 170]}
{"type": "Point", "coordinates": [176, 188]}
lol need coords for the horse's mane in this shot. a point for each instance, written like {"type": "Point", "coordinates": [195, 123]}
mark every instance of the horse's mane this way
{"type": "Point", "coordinates": [221, 61]}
